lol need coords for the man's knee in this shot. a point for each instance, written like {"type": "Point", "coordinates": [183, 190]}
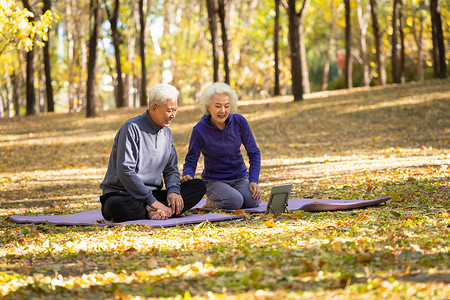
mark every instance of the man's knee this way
{"type": "Point", "coordinates": [194, 188]}
{"type": "Point", "coordinates": [199, 186]}
{"type": "Point", "coordinates": [114, 203]}
{"type": "Point", "coordinates": [113, 209]}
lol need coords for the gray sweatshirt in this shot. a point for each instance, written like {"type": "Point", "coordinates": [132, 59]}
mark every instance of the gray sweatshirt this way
{"type": "Point", "coordinates": [141, 152]}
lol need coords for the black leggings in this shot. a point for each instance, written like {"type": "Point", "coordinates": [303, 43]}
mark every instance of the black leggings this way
{"type": "Point", "coordinates": [121, 206]}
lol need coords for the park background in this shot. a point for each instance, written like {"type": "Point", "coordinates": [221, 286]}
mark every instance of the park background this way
{"type": "Point", "coordinates": [95, 55]}
{"type": "Point", "coordinates": [351, 138]}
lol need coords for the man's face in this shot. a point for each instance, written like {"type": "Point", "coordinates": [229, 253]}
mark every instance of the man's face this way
{"type": "Point", "coordinates": [162, 115]}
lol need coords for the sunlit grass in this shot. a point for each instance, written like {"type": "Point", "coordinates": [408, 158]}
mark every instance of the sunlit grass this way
{"type": "Point", "coordinates": [359, 144]}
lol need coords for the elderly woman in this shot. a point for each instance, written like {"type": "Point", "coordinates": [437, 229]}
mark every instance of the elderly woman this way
{"type": "Point", "coordinates": [218, 136]}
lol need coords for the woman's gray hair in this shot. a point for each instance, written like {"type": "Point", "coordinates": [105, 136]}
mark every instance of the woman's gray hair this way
{"type": "Point", "coordinates": [159, 94]}
{"type": "Point", "coordinates": [217, 88]}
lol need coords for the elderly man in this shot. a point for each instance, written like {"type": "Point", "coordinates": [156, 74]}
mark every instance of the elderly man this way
{"type": "Point", "coordinates": [143, 150]}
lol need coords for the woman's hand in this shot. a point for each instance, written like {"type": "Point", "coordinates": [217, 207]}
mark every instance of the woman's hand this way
{"type": "Point", "coordinates": [185, 178]}
{"type": "Point", "coordinates": [255, 190]}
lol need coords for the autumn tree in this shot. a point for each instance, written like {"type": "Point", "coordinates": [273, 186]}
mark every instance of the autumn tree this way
{"type": "Point", "coordinates": [398, 63]}
{"type": "Point", "coordinates": [348, 47]}
{"type": "Point", "coordinates": [419, 16]}
{"type": "Point", "coordinates": [30, 92]}
{"type": "Point", "coordinates": [276, 31]}
{"type": "Point", "coordinates": [20, 31]}
{"type": "Point", "coordinates": [141, 33]}
{"type": "Point", "coordinates": [212, 21]}
{"type": "Point", "coordinates": [439, 64]}
{"type": "Point", "coordinates": [378, 43]}
{"type": "Point", "coordinates": [222, 11]}
{"type": "Point", "coordinates": [363, 21]}
{"type": "Point", "coordinates": [294, 41]}
{"type": "Point", "coordinates": [94, 18]}
{"type": "Point", "coordinates": [113, 18]}
{"type": "Point", "coordinates": [326, 66]}
{"type": "Point", "coordinates": [47, 67]}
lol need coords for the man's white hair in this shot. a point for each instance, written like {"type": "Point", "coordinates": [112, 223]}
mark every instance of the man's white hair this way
{"type": "Point", "coordinates": [217, 88]}
{"type": "Point", "coordinates": [159, 94]}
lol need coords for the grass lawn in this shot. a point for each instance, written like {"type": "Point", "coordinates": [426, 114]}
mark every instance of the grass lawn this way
{"type": "Point", "coordinates": [359, 144]}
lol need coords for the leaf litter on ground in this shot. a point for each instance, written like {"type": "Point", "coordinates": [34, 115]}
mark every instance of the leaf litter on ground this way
{"type": "Point", "coordinates": [350, 144]}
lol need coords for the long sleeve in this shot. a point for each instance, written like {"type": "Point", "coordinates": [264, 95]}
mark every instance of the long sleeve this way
{"type": "Point", "coordinates": [191, 159]}
{"type": "Point", "coordinates": [253, 152]}
{"type": "Point", "coordinates": [141, 152]}
{"type": "Point", "coordinates": [126, 162]}
{"type": "Point", "coordinates": [171, 174]}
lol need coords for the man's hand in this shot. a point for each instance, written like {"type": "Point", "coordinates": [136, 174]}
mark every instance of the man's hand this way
{"type": "Point", "coordinates": [175, 203]}
{"type": "Point", "coordinates": [255, 190]}
{"type": "Point", "coordinates": [185, 178]}
{"type": "Point", "coordinates": [163, 211]}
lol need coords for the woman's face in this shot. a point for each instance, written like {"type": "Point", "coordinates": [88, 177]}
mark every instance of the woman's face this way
{"type": "Point", "coordinates": [219, 108]}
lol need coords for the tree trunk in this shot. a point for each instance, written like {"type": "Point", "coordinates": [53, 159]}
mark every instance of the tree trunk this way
{"type": "Point", "coordinates": [94, 27]}
{"type": "Point", "coordinates": [41, 89]}
{"type": "Point", "coordinates": [118, 82]}
{"type": "Point", "coordinates": [303, 63]}
{"type": "Point", "coordinates": [363, 24]}
{"type": "Point", "coordinates": [30, 92]}
{"type": "Point", "coordinates": [294, 41]}
{"type": "Point", "coordinates": [143, 88]}
{"type": "Point", "coordinates": [211, 7]}
{"type": "Point", "coordinates": [348, 47]}
{"type": "Point", "coordinates": [9, 97]}
{"type": "Point", "coordinates": [418, 38]}
{"type": "Point", "coordinates": [394, 43]}
{"type": "Point", "coordinates": [2, 106]}
{"type": "Point", "coordinates": [225, 42]}
{"type": "Point", "coordinates": [70, 54]}
{"type": "Point", "coordinates": [378, 43]}
{"type": "Point", "coordinates": [47, 67]}
{"type": "Point", "coordinates": [326, 66]}
{"type": "Point", "coordinates": [84, 62]}
{"type": "Point", "coordinates": [31, 96]}
{"type": "Point", "coordinates": [276, 31]}
{"type": "Point", "coordinates": [15, 94]}
{"type": "Point", "coordinates": [402, 43]}
{"type": "Point", "coordinates": [439, 65]}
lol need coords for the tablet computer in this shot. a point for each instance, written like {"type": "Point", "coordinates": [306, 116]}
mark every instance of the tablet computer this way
{"type": "Point", "coordinates": [278, 198]}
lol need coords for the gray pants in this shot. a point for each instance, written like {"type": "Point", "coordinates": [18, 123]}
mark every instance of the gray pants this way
{"type": "Point", "coordinates": [231, 194]}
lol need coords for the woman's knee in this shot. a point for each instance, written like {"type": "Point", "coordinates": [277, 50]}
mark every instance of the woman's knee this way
{"type": "Point", "coordinates": [230, 199]}
{"type": "Point", "coordinates": [250, 202]}
{"type": "Point", "coordinates": [234, 201]}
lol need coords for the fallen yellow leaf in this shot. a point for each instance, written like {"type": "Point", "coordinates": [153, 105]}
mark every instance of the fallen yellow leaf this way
{"type": "Point", "coordinates": [239, 212]}
{"type": "Point", "coordinates": [270, 223]}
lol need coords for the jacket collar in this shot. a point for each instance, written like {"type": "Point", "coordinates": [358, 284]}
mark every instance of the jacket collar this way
{"type": "Point", "coordinates": [149, 121]}
{"type": "Point", "coordinates": [206, 120]}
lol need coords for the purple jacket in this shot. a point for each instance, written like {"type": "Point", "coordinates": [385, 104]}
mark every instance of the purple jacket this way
{"type": "Point", "coordinates": [221, 150]}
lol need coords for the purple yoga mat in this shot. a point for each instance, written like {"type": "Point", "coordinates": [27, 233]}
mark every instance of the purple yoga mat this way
{"type": "Point", "coordinates": [313, 204]}
{"type": "Point", "coordinates": [94, 217]}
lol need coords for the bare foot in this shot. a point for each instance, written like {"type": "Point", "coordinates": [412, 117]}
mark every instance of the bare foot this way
{"type": "Point", "coordinates": [208, 204]}
{"type": "Point", "coordinates": [157, 215]}
{"type": "Point", "coordinates": [150, 212]}
{"type": "Point", "coordinates": [153, 214]}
